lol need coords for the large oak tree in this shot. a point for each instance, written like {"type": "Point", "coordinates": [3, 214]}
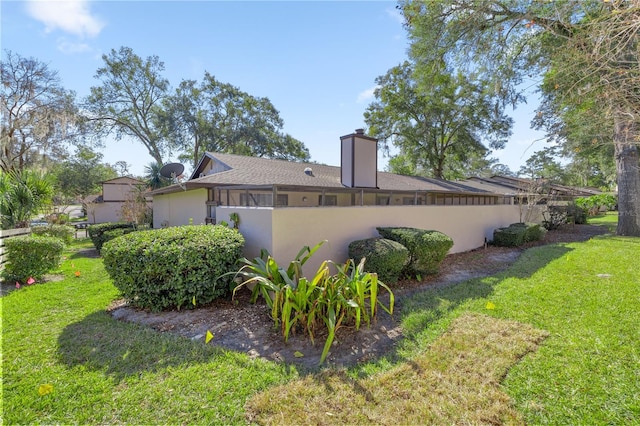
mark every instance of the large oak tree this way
{"type": "Point", "coordinates": [589, 49]}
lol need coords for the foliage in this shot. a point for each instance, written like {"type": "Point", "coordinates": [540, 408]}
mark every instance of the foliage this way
{"type": "Point", "coordinates": [596, 202]}
{"type": "Point", "coordinates": [178, 267]}
{"type": "Point", "coordinates": [127, 101]}
{"type": "Point", "coordinates": [517, 234]}
{"type": "Point", "coordinates": [97, 231]}
{"type": "Point", "coordinates": [426, 248]}
{"type": "Point", "coordinates": [587, 53]}
{"type": "Point", "coordinates": [83, 174]}
{"type": "Point", "coordinates": [62, 232]}
{"type": "Point", "coordinates": [440, 119]}
{"type": "Point", "coordinates": [31, 257]}
{"type": "Point", "coordinates": [387, 258]}
{"type": "Point", "coordinates": [153, 177]}
{"type": "Point", "coordinates": [219, 117]}
{"type": "Point", "coordinates": [135, 208]}
{"type": "Point", "coordinates": [115, 233]}
{"type": "Point", "coordinates": [38, 114]}
{"type": "Point", "coordinates": [22, 194]}
{"type": "Point", "coordinates": [543, 165]}
{"type": "Point", "coordinates": [349, 296]}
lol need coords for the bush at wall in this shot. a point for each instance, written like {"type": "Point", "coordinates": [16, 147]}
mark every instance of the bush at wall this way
{"type": "Point", "coordinates": [96, 232]}
{"type": "Point", "coordinates": [63, 232]}
{"type": "Point", "coordinates": [385, 257]}
{"type": "Point", "coordinates": [517, 234]}
{"type": "Point", "coordinates": [426, 248]}
{"type": "Point", "coordinates": [178, 267]}
{"type": "Point", "coordinates": [31, 257]}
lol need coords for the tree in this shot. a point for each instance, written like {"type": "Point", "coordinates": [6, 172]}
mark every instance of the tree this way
{"type": "Point", "coordinates": [442, 121]}
{"type": "Point", "coordinates": [23, 193]}
{"type": "Point", "coordinates": [38, 115]}
{"type": "Point", "coordinates": [585, 49]}
{"type": "Point", "coordinates": [82, 175]}
{"type": "Point", "coordinates": [216, 116]}
{"type": "Point", "coordinates": [128, 101]}
{"type": "Point", "coordinates": [543, 164]}
{"type": "Point", "coordinates": [153, 177]}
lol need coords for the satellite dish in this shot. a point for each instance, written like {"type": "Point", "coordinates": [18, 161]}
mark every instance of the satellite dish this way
{"type": "Point", "coordinates": [171, 170]}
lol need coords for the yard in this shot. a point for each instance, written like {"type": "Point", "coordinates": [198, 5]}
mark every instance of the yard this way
{"type": "Point", "coordinates": [552, 339]}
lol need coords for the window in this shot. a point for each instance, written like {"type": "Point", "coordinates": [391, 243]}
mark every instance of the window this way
{"type": "Point", "coordinates": [382, 200]}
{"type": "Point", "coordinates": [263, 200]}
{"type": "Point", "coordinates": [329, 200]}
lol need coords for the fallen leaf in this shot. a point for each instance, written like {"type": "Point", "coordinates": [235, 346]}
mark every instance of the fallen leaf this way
{"type": "Point", "coordinates": [298, 354]}
{"type": "Point", "coordinates": [208, 337]}
{"type": "Point", "coordinates": [193, 301]}
{"type": "Point", "coordinates": [45, 389]}
{"type": "Point", "coordinates": [490, 305]}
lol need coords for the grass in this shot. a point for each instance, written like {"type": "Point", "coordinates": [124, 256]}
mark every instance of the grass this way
{"type": "Point", "coordinates": [473, 354]}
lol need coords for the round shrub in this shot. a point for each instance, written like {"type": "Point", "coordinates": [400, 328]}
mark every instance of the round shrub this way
{"type": "Point", "coordinates": [115, 233]}
{"type": "Point", "coordinates": [173, 267]}
{"type": "Point", "coordinates": [427, 248]}
{"type": "Point", "coordinates": [31, 256]}
{"type": "Point", "coordinates": [385, 257]}
{"type": "Point", "coordinates": [64, 232]}
{"type": "Point", "coordinates": [96, 232]}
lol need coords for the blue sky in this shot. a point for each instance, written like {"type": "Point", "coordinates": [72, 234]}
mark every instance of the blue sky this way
{"type": "Point", "coordinates": [316, 61]}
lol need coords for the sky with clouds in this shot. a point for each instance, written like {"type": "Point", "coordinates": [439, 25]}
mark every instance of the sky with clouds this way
{"type": "Point", "coordinates": [316, 61]}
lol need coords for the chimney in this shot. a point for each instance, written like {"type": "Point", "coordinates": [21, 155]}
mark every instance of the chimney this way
{"type": "Point", "coordinates": [359, 160]}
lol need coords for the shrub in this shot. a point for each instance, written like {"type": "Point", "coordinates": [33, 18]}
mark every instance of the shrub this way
{"type": "Point", "coordinates": [31, 256]}
{"type": "Point", "coordinates": [517, 234]}
{"type": "Point", "coordinates": [594, 203]}
{"type": "Point", "coordinates": [176, 267]}
{"type": "Point", "coordinates": [63, 232]}
{"type": "Point", "coordinates": [96, 232]}
{"type": "Point", "coordinates": [577, 213]}
{"type": "Point", "coordinates": [347, 297]}
{"type": "Point", "coordinates": [426, 248]}
{"type": "Point", "coordinates": [115, 233]}
{"type": "Point", "coordinates": [385, 257]}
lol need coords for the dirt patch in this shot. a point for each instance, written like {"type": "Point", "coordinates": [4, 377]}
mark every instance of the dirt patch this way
{"type": "Point", "coordinates": [241, 326]}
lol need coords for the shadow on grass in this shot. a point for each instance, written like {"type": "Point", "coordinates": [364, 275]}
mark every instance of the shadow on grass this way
{"type": "Point", "coordinates": [121, 349]}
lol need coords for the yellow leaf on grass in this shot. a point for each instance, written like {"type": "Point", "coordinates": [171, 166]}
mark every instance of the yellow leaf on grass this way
{"type": "Point", "coordinates": [45, 389]}
{"type": "Point", "coordinates": [490, 305]}
{"type": "Point", "coordinates": [208, 337]}
{"type": "Point", "coordinates": [298, 354]}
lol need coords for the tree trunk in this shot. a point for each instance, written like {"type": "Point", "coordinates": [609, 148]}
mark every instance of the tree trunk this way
{"type": "Point", "coordinates": [628, 177]}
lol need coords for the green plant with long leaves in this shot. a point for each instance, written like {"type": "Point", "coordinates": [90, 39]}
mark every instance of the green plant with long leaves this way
{"type": "Point", "coordinates": [23, 194]}
{"type": "Point", "coordinates": [348, 296]}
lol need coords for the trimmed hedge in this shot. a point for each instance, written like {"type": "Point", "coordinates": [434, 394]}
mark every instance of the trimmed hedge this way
{"type": "Point", "coordinates": [96, 232]}
{"type": "Point", "coordinates": [385, 257]}
{"type": "Point", "coordinates": [63, 232]}
{"type": "Point", "coordinates": [427, 248]}
{"type": "Point", "coordinates": [517, 234]}
{"type": "Point", "coordinates": [115, 233]}
{"type": "Point", "coordinates": [31, 257]}
{"type": "Point", "coordinates": [173, 267]}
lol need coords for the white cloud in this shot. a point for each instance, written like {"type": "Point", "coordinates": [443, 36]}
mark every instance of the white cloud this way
{"type": "Point", "coordinates": [69, 47]}
{"type": "Point", "coordinates": [366, 95]}
{"type": "Point", "coordinates": [70, 16]}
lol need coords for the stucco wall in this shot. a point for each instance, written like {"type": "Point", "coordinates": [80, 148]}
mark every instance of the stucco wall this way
{"type": "Point", "coordinates": [285, 231]}
{"type": "Point", "coordinates": [177, 208]}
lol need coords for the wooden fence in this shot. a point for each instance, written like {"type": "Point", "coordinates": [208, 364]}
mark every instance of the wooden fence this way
{"type": "Point", "coordinates": [9, 233]}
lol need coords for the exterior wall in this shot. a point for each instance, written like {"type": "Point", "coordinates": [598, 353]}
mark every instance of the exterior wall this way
{"type": "Point", "coordinates": [284, 231]}
{"type": "Point", "coordinates": [105, 212]}
{"type": "Point", "coordinates": [117, 191]}
{"type": "Point", "coordinates": [177, 208]}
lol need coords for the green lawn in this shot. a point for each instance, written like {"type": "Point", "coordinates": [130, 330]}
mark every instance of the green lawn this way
{"type": "Point", "coordinates": [583, 296]}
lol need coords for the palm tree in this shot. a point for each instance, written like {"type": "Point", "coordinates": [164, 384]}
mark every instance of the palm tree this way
{"type": "Point", "coordinates": [23, 194]}
{"type": "Point", "coordinates": [153, 177]}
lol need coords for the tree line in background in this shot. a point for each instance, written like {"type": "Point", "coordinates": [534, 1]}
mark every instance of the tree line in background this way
{"type": "Point", "coordinates": [443, 108]}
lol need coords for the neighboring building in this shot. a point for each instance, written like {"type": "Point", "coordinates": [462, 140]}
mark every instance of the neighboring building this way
{"type": "Point", "coordinates": [518, 187]}
{"type": "Point", "coordinates": [285, 205]}
{"type": "Point", "coordinates": [116, 193]}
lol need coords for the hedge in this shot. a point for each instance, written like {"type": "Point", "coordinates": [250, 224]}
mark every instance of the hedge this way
{"type": "Point", "coordinates": [96, 232]}
{"type": "Point", "coordinates": [31, 257]}
{"type": "Point", "coordinates": [178, 267]}
{"type": "Point", "coordinates": [63, 232]}
{"type": "Point", "coordinates": [517, 234]}
{"type": "Point", "coordinates": [427, 248]}
{"type": "Point", "coordinates": [385, 257]}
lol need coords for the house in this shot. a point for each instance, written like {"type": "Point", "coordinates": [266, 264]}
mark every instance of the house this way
{"type": "Point", "coordinates": [116, 194]}
{"type": "Point", "coordinates": [284, 206]}
{"type": "Point", "coordinates": [517, 186]}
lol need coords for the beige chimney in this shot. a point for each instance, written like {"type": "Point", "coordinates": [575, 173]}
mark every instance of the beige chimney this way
{"type": "Point", "coordinates": [359, 160]}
